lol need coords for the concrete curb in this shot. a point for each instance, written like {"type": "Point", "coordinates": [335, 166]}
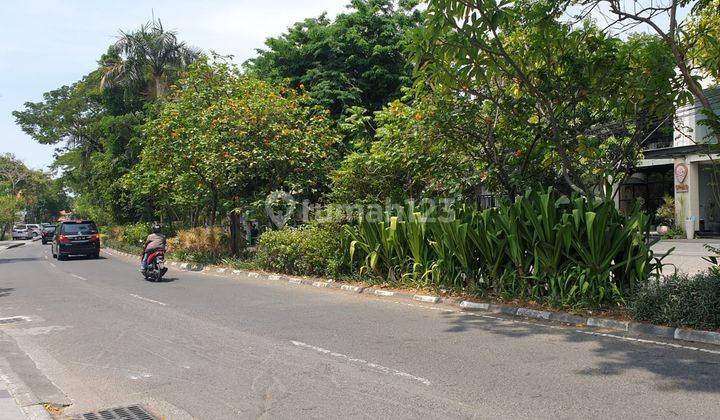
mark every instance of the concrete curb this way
{"type": "Point", "coordinates": [11, 246]}
{"type": "Point", "coordinates": [682, 334]}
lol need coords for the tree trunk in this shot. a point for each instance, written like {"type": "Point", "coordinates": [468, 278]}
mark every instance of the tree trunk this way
{"type": "Point", "coordinates": [237, 234]}
{"type": "Point", "coordinates": [213, 207]}
{"type": "Point", "coordinates": [159, 87]}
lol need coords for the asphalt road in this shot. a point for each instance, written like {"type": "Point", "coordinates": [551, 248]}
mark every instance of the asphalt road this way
{"type": "Point", "coordinates": [204, 347]}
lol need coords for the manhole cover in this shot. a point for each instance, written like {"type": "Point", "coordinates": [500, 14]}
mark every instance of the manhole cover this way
{"type": "Point", "coordinates": [13, 319]}
{"type": "Point", "coordinates": [132, 412]}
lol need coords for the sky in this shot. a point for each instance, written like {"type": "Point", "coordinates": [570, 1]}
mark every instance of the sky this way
{"type": "Point", "coordinates": [46, 44]}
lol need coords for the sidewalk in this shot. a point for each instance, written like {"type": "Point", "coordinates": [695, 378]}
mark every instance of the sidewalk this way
{"type": "Point", "coordinates": [687, 255]}
{"type": "Point", "coordinates": [9, 409]}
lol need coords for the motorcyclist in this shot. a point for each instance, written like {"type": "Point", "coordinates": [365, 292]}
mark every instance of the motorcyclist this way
{"type": "Point", "coordinates": [155, 241]}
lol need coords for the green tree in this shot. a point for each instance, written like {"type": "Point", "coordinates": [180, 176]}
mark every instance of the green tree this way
{"type": "Point", "coordinates": [356, 60]}
{"type": "Point", "coordinates": [225, 140]}
{"type": "Point", "coordinates": [13, 174]}
{"type": "Point", "coordinates": [93, 130]}
{"type": "Point", "coordinates": [9, 206]}
{"type": "Point", "coordinates": [569, 97]}
{"type": "Point", "coordinates": [411, 156]}
{"type": "Point", "coordinates": [94, 122]}
{"type": "Point", "coordinates": [35, 192]}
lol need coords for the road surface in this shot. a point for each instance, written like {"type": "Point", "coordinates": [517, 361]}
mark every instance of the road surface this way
{"type": "Point", "coordinates": [199, 346]}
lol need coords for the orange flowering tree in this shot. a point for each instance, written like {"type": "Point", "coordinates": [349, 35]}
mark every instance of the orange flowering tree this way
{"type": "Point", "coordinates": [223, 140]}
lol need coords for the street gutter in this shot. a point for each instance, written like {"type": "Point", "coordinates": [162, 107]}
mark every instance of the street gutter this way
{"type": "Point", "coordinates": [682, 334]}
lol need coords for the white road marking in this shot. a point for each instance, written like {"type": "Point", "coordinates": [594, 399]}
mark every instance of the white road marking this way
{"type": "Point", "coordinates": [79, 277]}
{"type": "Point", "coordinates": [565, 328]}
{"type": "Point", "coordinates": [147, 300]}
{"type": "Point", "coordinates": [383, 369]}
{"type": "Point", "coordinates": [641, 340]}
{"type": "Point", "coordinates": [52, 264]}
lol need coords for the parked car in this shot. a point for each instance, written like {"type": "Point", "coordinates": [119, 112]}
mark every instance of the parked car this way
{"type": "Point", "coordinates": [47, 234]}
{"type": "Point", "coordinates": [35, 229]}
{"type": "Point", "coordinates": [21, 232]}
{"type": "Point", "coordinates": [76, 237]}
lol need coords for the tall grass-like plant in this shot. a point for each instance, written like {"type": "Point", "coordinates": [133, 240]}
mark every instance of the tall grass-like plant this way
{"type": "Point", "coordinates": [566, 250]}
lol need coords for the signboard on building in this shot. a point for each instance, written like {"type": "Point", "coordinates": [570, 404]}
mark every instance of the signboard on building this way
{"type": "Point", "coordinates": [681, 188]}
{"type": "Point", "coordinates": [681, 171]}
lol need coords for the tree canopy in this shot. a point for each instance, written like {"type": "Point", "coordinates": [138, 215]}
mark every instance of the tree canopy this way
{"type": "Point", "coordinates": [226, 139]}
{"type": "Point", "coordinates": [578, 101]}
{"type": "Point", "coordinates": [357, 59]}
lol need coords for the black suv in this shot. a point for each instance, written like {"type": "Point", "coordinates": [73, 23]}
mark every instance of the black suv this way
{"type": "Point", "coordinates": [76, 237]}
{"type": "Point", "coordinates": [47, 234]}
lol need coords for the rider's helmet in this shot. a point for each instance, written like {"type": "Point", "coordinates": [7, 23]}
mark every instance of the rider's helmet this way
{"type": "Point", "coordinates": [156, 228]}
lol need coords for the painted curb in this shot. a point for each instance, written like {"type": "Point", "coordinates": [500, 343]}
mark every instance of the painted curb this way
{"type": "Point", "coordinates": [608, 323]}
{"type": "Point", "coordinates": [502, 309]}
{"type": "Point", "coordinates": [428, 299]}
{"type": "Point", "coordinates": [466, 304]}
{"type": "Point", "coordinates": [682, 334]}
{"type": "Point", "coordinates": [696, 335]}
{"type": "Point", "coordinates": [656, 330]}
{"type": "Point", "coordinates": [532, 313]}
{"type": "Point", "coordinates": [568, 318]}
{"type": "Point", "coordinates": [354, 289]}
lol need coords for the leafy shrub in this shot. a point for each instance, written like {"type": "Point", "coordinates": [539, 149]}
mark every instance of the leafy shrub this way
{"type": "Point", "coordinates": [309, 250]}
{"type": "Point", "coordinates": [564, 250]}
{"type": "Point", "coordinates": [136, 234]}
{"type": "Point", "coordinates": [199, 244]}
{"type": "Point", "coordinates": [666, 212]}
{"type": "Point", "coordinates": [680, 301]}
{"type": "Point", "coordinates": [121, 246]}
{"type": "Point", "coordinates": [675, 231]}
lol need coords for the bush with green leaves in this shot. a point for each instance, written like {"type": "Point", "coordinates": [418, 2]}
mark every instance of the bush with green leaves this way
{"type": "Point", "coordinates": [680, 301]}
{"type": "Point", "coordinates": [559, 249]}
{"type": "Point", "coordinates": [308, 250]}
{"type": "Point", "coordinates": [136, 234]}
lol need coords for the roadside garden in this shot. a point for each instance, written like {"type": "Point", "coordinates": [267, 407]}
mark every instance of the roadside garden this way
{"type": "Point", "coordinates": [520, 119]}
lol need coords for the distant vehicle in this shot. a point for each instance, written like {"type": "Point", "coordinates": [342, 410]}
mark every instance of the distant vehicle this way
{"type": "Point", "coordinates": [76, 237]}
{"type": "Point", "coordinates": [46, 224]}
{"type": "Point", "coordinates": [21, 232]}
{"type": "Point", "coordinates": [47, 234]}
{"type": "Point", "coordinates": [35, 229]}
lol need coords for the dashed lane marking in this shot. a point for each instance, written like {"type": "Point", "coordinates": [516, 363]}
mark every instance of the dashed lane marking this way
{"type": "Point", "coordinates": [375, 366]}
{"type": "Point", "coordinates": [148, 300]}
{"type": "Point", "coordinates": [79, 277]}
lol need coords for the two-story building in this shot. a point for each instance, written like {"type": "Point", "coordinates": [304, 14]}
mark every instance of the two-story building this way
{"type": "Point", "coordinates": [677, 162]}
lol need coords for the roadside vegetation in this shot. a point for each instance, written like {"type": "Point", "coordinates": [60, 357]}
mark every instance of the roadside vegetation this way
{"type": "Point", "coordinates": [523, 107]}
{"type": "Point", "coordinates": [36, 194]}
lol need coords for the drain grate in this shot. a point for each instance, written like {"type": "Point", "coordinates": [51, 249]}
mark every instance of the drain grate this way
{"type": "Point", "coordinates": [132, 412]}
{"type": "Point", "coordinates": [13, 319]}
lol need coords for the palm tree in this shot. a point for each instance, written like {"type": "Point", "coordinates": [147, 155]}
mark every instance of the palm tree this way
{"type": "Point", "coordinates": [150, 54]}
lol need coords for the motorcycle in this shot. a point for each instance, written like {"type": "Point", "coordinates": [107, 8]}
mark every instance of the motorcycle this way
{"type": "Point", "coordinates": [155, 268]}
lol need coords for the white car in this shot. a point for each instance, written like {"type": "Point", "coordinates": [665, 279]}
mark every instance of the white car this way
{"type": "Point", "coordinates": [35, 229]}
{"type": "Point", "coordinates": [22, 232]}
